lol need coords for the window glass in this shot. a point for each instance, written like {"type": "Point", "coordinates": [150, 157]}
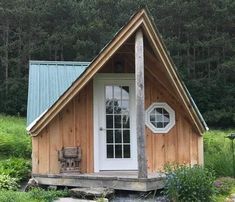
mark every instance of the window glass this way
{"type": "Point", "coordinates": [117, 102]}
{"type": "Point", "coordinates": [160, 117]}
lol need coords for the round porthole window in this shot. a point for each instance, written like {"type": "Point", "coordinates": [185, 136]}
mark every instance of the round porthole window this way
{"type": "Point", "coordinates": [160, 117]}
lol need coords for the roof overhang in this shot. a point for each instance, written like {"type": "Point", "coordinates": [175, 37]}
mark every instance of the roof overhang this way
{"type": "Point", "coordinates": [140, 20]}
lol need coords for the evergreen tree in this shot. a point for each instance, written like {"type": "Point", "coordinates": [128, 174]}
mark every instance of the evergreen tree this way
{"type": "Point", "coordinates": [199, 36]}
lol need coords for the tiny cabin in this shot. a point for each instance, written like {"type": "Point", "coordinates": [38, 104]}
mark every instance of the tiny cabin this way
{"type": "Point", "coordinates": [115, 121]}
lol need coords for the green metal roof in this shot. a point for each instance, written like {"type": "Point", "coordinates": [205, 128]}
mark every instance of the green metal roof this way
{"type": "Point", "coordinates": [48, 80]}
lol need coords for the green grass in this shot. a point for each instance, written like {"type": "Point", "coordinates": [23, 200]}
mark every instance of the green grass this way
{"type": "Point", "coordinates": [218, 157]}
{"type": "Point", "coordinates": [10, 125]}
{"type": "Point", "coordinates": [14, 140]}
{"type": "Point", "coordinates": [218, 152]}
{"type": "Point", "coordinates": [222, 198]}
{"type": "Point", "coordinates": [15, 148]}
{"type": "Point", "coordinates": [35, 195]}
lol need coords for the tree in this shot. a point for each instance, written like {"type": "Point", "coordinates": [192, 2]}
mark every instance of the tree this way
{"type": "Point", "coordinates": [198, 34]}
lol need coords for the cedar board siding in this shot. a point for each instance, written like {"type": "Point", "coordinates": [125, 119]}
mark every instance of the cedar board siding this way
{"type": "Point", "coordinates": [73, 126]}
{"type": "Point", "coordinates": [181, 144]}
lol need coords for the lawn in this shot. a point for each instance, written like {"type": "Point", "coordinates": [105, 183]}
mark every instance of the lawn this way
{"type": "Point", "coordinates": [14, 141]}
{"type": "Point", "coordinates": [15, 152]}
{"type": "Point", "coordinates": [218, 152]}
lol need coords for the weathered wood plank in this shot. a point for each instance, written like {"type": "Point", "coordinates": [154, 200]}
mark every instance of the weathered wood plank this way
{"type": "Point", "coordinates": [55, 145]}
{"type": "Point", "coordinates": [171, 146]}
{"type": "Point", "coordinates": [139, 90]}
{"type": "Point", "coordinates": [200, 150]}
{"type": "Point", "coordinates": [35, 158]}
{"type": "Point", "coordinates": [182, 150]}
{"type": "Point", "coordinates": [194, 148]}
{"type": "Point", "coordinates": [117, 181]}
{"type": "Point", "coordinates": [43, 148]}
{"type": "Point", "coordinates": [68, 128]}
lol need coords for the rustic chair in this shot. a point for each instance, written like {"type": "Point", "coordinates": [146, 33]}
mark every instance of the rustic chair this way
{"type": "Point", "coordinates": [69, 158]}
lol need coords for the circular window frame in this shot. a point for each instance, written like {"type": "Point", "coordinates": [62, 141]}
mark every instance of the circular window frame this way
{"type": "Point", "coordinates": [171, 117]}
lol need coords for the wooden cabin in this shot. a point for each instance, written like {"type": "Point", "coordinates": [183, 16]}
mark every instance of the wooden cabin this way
{"type": "Point", "coordinates": [115, 121]}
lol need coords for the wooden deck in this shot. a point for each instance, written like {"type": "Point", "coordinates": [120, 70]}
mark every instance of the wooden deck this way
{"type": "Point", "coordinates": [120, 180]}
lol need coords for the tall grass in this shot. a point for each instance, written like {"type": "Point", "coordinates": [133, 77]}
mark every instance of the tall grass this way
{"type": "Point", "coordinates": [14, 141]}
{"type": "Point", "coordinates": [35, 195]}
{"type": "Point", "coordinates": [218, 152]}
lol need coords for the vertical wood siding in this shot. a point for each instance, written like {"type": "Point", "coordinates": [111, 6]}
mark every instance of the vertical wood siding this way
{"type": "Point", "coordinates": [72, 127]}
{"type": "Point", "coordinates": [181, 144]}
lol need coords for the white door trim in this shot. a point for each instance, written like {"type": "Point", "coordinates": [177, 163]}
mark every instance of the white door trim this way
{"type": "Point", "coordinates": [96, 97]}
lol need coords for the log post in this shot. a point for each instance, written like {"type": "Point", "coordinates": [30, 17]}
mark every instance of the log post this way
{"type": "Point", "coordinates": [139, 95]}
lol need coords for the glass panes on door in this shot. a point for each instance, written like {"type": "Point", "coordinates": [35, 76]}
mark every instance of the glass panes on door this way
{"type": "Point", "coordinates": [117, 114]}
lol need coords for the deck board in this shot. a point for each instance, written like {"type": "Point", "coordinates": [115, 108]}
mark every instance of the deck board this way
{"type": "Point", "coordinates": [120, 180]}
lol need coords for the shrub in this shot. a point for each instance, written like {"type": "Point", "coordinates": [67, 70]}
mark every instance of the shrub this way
{"type": "Point", "coordinates": [189, 184]}
{"type": "Point", "coordinates": [16, 167]}
{"type": "Point", "coordinates": [224, 185]}
{"type": "Point", "coordinates": [8, 183]}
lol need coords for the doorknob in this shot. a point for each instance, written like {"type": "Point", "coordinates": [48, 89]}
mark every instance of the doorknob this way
{"type": "Point", "coordinates": [102, 129]}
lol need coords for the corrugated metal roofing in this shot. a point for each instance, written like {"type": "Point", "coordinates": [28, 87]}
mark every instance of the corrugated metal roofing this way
{"type": "Point", "coordinates": [48, 80]}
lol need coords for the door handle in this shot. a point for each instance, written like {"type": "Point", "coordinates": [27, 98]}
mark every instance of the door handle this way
{"type": "Point", "coordinates": [102, 129]}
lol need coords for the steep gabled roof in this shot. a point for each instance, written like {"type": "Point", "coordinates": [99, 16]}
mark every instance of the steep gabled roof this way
{"type": "Point", "coordinates": [48, 80]}
{"type": "Point", "coordinates": [140, 20]}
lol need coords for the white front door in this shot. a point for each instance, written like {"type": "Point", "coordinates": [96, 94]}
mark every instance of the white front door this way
{"type": "Point", "coordinates": [114, 103]}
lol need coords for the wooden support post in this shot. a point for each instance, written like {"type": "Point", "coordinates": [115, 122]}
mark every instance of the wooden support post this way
{"type": "Point", "coordinates": [139, 95]}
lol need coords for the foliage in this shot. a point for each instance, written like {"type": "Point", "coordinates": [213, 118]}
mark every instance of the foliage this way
{"type": "Point", "coordinates": [14, 140]}
{"type": "Point", "coordinates": [8, 183]}
{"type": "Point", "coordinates": [198, 34]}
{"type": "Point", "coordinates": [220, 117]}
{"type": "Point", "coordinates": [189, 184]}
{"type": "Point", "coordinates": [224, 185]}
{"type": "Point", "coordinates": [35, 195]}
{"type": "Point", "coordinates": [49, 195]}
{"type": "Point", "coordinates": [218, 152]}
{"type": "Point", "coordinates": [16, 167]}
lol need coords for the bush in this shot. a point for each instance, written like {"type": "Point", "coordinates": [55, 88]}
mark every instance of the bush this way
{"type": "Point", "coordinates": [35, 195]}
{"type": "Point", "coordinates": [218, 153]}
{"type": "Point", "coordinates": [16, 167]}
{"type": "Point", "coordinates": [224, 185]}
{"type": "Point", "coordinates": [189, 184]}
{"type": "Point", "coordinates": [8, 183]}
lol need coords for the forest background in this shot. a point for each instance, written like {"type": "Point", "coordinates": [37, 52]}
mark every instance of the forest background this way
{"type": "Point", "coordinates": [200, 36]}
